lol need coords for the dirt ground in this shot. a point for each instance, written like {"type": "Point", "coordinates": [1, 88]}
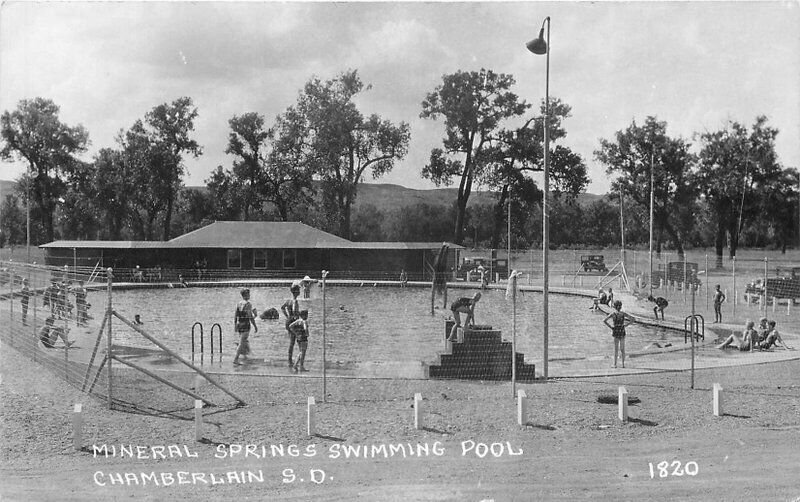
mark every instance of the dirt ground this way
{"type": "Point", "coordinates": [572, 447]}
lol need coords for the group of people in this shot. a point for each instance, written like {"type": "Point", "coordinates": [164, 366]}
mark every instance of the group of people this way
{"type": "Point", "coordinates": [296, 323]}
{"type": "Point", "coordinates": [603, 298]}
{"type": "Point", "coordinates": [764, 337]}
{"type": "Point", "coordinates": [56, 297]}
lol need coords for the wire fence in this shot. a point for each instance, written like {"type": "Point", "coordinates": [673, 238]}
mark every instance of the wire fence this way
{"type": "Point", "coordinates": [73, 323]}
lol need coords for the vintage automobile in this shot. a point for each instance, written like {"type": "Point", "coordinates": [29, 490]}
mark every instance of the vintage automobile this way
{"type": "Point", "coordinates": [470, 267]}
{"type": "Point", "coordinates": [677, 273]}
{"type": "Point", "coordinates": [785, 285]}
{"type": "Point", "coordinates": [593, 262]}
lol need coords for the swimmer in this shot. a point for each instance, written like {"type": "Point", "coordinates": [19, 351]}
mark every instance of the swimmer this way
{"type": "Point", "coordinates": [463, 305]}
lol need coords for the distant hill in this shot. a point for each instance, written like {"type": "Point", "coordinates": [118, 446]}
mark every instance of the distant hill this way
{"type": "Point", "coordinates": [387, 197]}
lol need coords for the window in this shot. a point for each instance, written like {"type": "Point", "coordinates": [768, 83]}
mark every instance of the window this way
{"type": "Point", "coordinates": [234, 258]}
{"type": "Point", "coordinates": [259, 258]}
{"type": "Point", "coordinates": [289, 258]}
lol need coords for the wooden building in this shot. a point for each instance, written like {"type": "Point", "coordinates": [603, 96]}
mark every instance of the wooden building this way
{"type": "Point", "coordinates": [257, 249]}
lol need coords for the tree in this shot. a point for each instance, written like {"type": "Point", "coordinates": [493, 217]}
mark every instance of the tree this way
{"type": "Point", "coordinates": [170, 125]}
{"type": "Point", "coordinates": [265, 170]}
{"type": "Point", "coordinates": [328, 135]}
{"type": "Point", "coordinates": [12, 221]}
{"type": "Point", "coordinates": [736, 169]}
{"type": "Point", "coordinates": [34, 134]}
{"type": "Point", "coordinates": [111, 191]}
{"type": "Point", "coordinates": [675, 194]}
{"type": "Point", "coordinates": [474, 105]}
{"type": "Point", "coordinates": [518, 153]}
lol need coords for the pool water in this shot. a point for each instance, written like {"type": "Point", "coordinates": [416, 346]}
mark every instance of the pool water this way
{"type": "Point", "coordinates": [365, 324]}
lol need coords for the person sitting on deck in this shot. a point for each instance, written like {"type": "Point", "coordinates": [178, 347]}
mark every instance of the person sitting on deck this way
{"type": "Point", "coordinates": [762, 330]}
{"type": "Point", "coordinates": [463, 305]}
{"type": "Point", "coordinates": [741, 342]}
{"type": "Point", "coordinates": [772, 339]}
{"type": "Point", "coordinates": [661, 304]}
{"type": "Point", "coordinates": [49, 334]}
{"type": "Point", "coordinates": [601, 298]}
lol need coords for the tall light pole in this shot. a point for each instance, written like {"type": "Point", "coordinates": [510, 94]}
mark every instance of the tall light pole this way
{"type": "Point", "coordinates": [28, 216]}
{"type": "Point", "coordinates": [652, 185]}
{"type": "Point", "coordinates": [541, 46]}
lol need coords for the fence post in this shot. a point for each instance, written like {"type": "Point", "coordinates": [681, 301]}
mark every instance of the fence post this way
{"type": "Point", "coordinates": [324, 344]}
{"type": "Point", "coordinates": [717, 400]}
{"type": "Point", "coordinates": [109, 280]}
{"type": "Point", "coordinates": [311, 422]}
{"type": "Point", "coordinates": [623, 404]}
{"type": "Point", "coordinates": [198, 419]}
{"type": "Point", "coordinates": [77, 426]}
{"type": "Point", "coordinates": [735, 299]}
{"type": "Point", "coordinates": [522, 407]}
{"type": "Point", "coordinates": [417, 410]}
{"type": "Point", "coordinates": [766, 266]}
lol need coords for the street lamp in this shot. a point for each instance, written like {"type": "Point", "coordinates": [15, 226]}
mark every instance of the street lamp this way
{"type": "Point", "coordinates": [541, 46]}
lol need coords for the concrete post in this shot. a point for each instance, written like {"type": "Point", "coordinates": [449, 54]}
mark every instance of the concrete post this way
{"type": "Point", "coordinates": [418, 411]}
{"type": "Point", "coordinates": [522, 407]}
{"type": "Point", "coordinates": [312, 424]}
{"type": "Point", "coordinates": [77, 426]}
{"type": "Point", "coordinates": [623, 404]}
{"type": "Point", "coordinates": [198, 419]}
{"type": "Point", "coordinates": [717, 400]}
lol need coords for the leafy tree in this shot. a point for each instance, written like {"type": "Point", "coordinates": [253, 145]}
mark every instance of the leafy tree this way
{"type": "Point", "coordinates": [474, 105]}
{"type": "Point", "coordinates": [265, 170]}
{"type": "Point", "coordinates": [195, 209]}
{"type": "Point", "coordinates": [736, 169]}
{"type": "Point", "coordinates": [367, 224]}
{"type": "Point", "coordinates": [111, 191]}
{"type": "Point", "coordinates": [419, 222]}
{"type": "Point", "coordinates": [170, 125]}
{"type": "Point", "coordinates": [34, 134]}
{"type": "Point", "coordinates": [629, 156]}
{"type": "Point", "coordinates": [328, 136]}
{"type": "Point", "coordinates": [12, 221]}
{"type": "Point", "coordinates": [519, 152]}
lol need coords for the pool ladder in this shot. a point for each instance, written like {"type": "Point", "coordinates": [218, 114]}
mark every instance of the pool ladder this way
{"type": "Point", "coordinates": [694, 325]}
{"type": "Point", "coordinates": [202, 338]}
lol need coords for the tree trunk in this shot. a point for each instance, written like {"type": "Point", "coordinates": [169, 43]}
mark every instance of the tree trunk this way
{"type": "Point", "coordinates": [499, 217]}
{"type": "Point", "coordinates": [461, 209]}
{"type": "Point", "coordinates": [719, 244]}
{"type": "Point", "coordinates": [168, 215]}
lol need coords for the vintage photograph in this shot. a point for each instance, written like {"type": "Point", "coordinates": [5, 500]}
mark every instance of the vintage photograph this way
{"type": "Point", "coordinates": [399, 251]}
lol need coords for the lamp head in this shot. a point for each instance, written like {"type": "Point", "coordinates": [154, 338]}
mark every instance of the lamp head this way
{"type": "Point", "coordinates": [538, 45]}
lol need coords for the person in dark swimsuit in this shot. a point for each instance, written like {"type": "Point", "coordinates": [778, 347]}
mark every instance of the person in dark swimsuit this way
{"type": "Point", "coordinates": [244, 317]}
{"type": "Point", "coordinates": [463, 305]}
{"type": "Point", "coordinates": [661, 304]}
{"type": "Point", "coordinates": [291, 310]}
{"type": "Point", "coordinates": [617, 321]}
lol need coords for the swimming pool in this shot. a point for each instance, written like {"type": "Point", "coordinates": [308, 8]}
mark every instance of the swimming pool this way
{"type": "Point", "coordinates": [369, 323]}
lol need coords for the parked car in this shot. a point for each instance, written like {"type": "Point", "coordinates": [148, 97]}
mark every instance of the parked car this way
{"type": "Point", "coordinates": [593, 262]}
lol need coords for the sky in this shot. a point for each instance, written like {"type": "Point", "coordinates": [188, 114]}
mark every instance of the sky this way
{"type": "Point", "coordinates": [694, 65]}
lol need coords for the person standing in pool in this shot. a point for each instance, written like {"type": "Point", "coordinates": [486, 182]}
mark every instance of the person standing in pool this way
{"type": "Point", "coordinates": [300, 329]}
{"type": "Point", "coordinates": [719, 297]}
{"type": "Point", "coordinates": [463, 305]}
{"type": "Point", "coordinates": [245, 316]}
{"type": "Point", "coordinates": [291, 311]}
{"type": "Point", "coordinates": [617, 321]}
